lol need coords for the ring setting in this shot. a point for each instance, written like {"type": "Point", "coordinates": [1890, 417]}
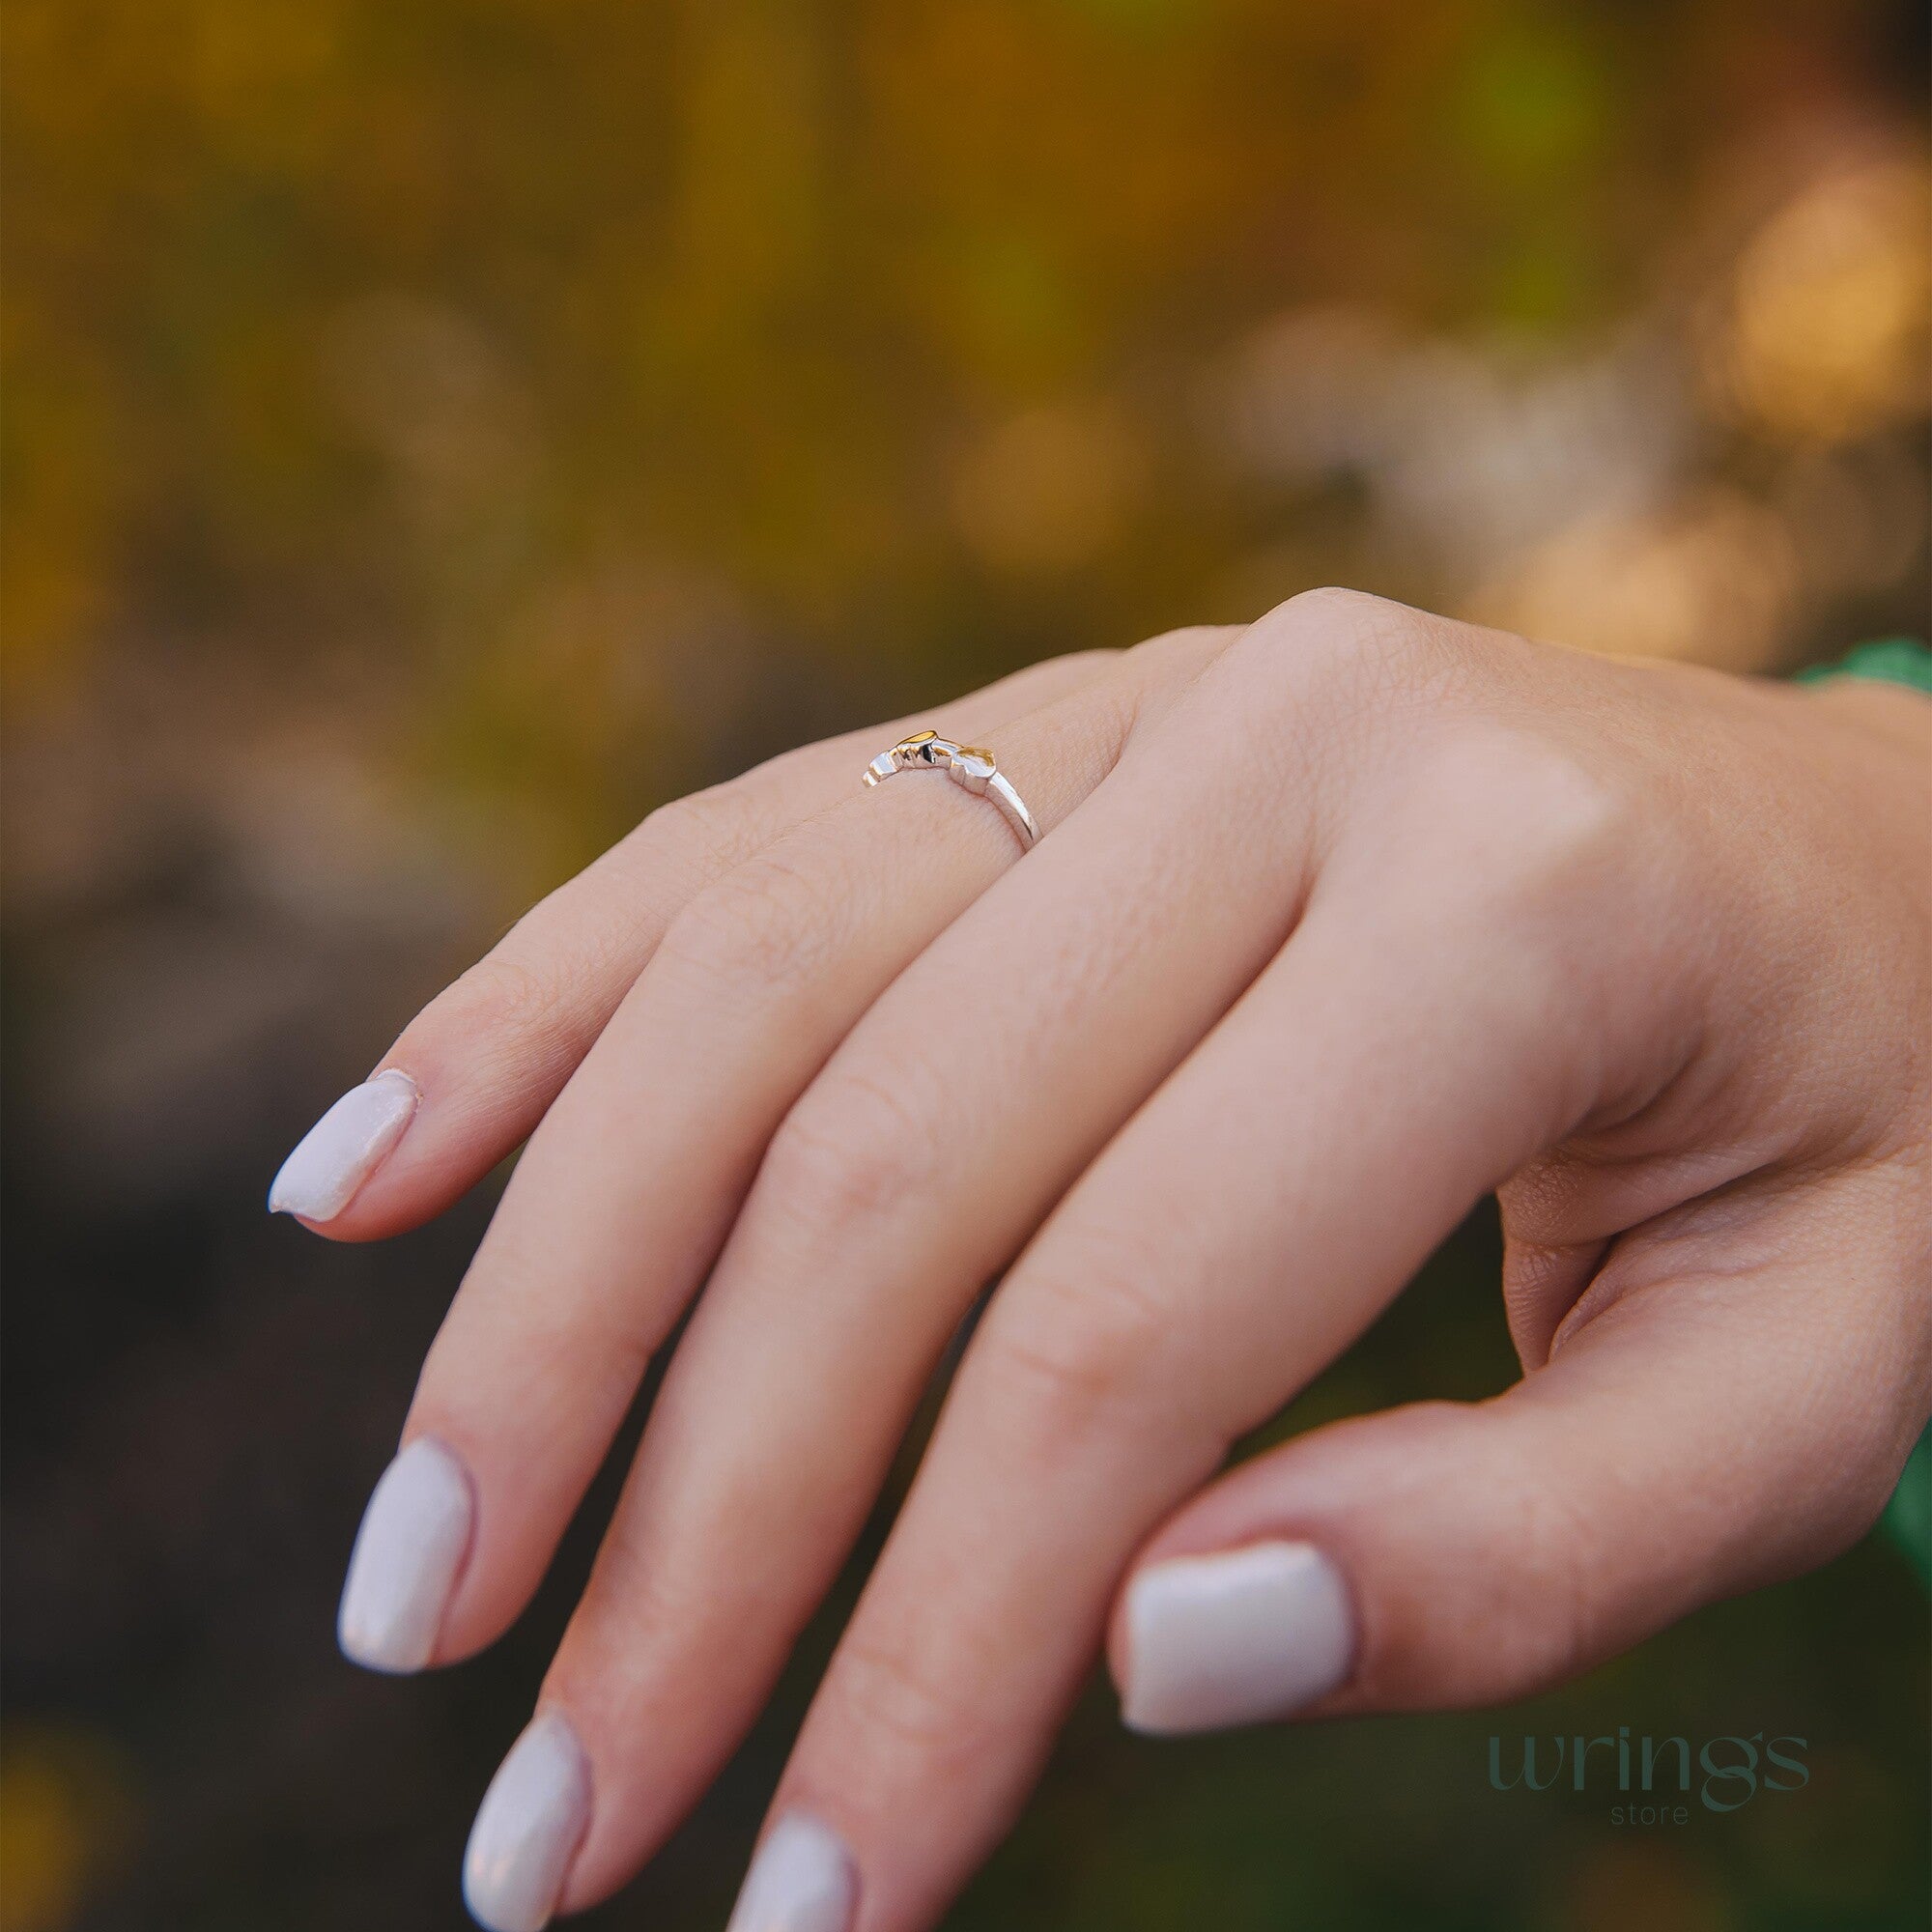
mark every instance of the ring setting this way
{"type": "Point", "coordinates": [969, 766]}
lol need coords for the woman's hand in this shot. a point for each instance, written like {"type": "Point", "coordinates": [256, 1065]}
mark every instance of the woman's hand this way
{"type": "Point", "coordinates": [1340, 922]}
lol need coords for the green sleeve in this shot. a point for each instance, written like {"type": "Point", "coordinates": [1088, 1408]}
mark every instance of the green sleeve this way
{"type": "Point", "coordinates": [1889, 660]}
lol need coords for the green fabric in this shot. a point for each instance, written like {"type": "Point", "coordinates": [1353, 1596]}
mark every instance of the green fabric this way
{"type": "Point", "coordinates": [1908, 1515]}
{"type": "Point", "coordinates": [1890, 661]}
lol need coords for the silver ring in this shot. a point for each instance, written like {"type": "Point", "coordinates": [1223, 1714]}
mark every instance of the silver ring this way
{"type": "Point", "coordinates": [965, 765]}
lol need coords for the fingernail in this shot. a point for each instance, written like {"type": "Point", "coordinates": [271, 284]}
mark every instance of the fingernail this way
{"type": "Point", "coordinates": [415, 1535]}
{"type": "Point", "coordinates": [344, 1148]}
{"type": "Point", "coordinates": [803, 1880]}
{"type": "Point", "coordinates": [528, 1829]}
{"type": "Point", "coordinates": [1233, 1638]}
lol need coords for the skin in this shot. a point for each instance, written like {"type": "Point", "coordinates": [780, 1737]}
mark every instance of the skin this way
{"type": "Point", "coordinates": [1340, 922]}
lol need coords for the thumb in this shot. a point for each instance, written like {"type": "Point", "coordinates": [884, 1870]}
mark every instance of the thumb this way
{"type": "Point", "coordinates": [1715, 1415]}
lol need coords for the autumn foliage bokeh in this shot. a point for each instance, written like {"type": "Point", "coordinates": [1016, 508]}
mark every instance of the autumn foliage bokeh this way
{"type": "Point", "coordinates": [434, 434]}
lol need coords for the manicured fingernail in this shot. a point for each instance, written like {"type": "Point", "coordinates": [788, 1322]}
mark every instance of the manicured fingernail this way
{"type": "Point", "coordinates": [344, 1148]}
{"type": "Point", "coordinates": [528, 1829]}
{"type": "Point", "coordinates": [1235, 1637]}
{"type": "Point", "coordinates": [803, 1880]}
{"type": "Point", "coordinates": [415, 1535]}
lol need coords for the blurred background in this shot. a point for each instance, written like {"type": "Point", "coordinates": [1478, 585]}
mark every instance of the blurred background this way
{"type": "Point", "coordinates": [436, 434]}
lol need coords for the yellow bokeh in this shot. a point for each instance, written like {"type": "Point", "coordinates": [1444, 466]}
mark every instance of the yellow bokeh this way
{"type": "Point", "coordinates": [63, 1821]}
{"type": "Point", "coordinates": [1830, 308]}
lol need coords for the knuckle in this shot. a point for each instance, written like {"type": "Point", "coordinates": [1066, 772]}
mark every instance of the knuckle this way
{"type": "Point", "coordinates": [1333, 606]}
{"type": "Point", "coordinates": [501, 997]}
{"type": "Point", "coordinates": [683, 826]}
{"type": "Point", "coordinates": [888, 1698]}
{"type": "Point", "coordinates": [1185, 647]}
{"type": "Point", "coordinates": [1542, 1612]}
{"type": "Point", "coordinates": [1155, 672]}
{"type": "Point", "coordinates": [855, 1148]}
{"type": "Point", "coordinates": [707, 829]}
{"type": "Point", "coordinates": [1348, 629]}
{"type": "Point", "coordinates": [1549, 1631]}
{"type": "Point", "coordinates": [1053, 671]}
{"type": "Point", "coordinates": [512, 1333]}
{"type": "Point", "coordinates": [1088, 1336]}
{"type": "Point", "coordinates": [1531, 1565]}
{"type": "Point", "coordinates": [1344, 667]}
{"type": "Point", "coordinates": [767, 923]}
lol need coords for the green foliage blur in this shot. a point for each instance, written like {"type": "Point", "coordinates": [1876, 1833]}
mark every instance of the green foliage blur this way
{"type": "Point", "coordinates": [436, 433]}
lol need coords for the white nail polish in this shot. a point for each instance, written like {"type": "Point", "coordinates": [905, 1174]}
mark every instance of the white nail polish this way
{"type": "Point", "coordinates": [1235, 1638]}
{"type": "Point", "coordinates": [528, 1829]}
{"type": "Point", "coordinates": [803, 1880]}
{"type": "Point", "coordinates": [415, 1535]}
{"type": "Point", "coordinates": [344, 1148]}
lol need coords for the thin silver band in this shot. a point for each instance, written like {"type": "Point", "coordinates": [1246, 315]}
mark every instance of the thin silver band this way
{"type": "Point", "coordinates": [967, 765]}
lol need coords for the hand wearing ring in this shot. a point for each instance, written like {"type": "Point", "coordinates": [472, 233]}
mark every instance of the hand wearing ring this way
{"type": "Point", "coordinates": [965, 765]}
{"type": "Point", "coordinates": [1349, 918]}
